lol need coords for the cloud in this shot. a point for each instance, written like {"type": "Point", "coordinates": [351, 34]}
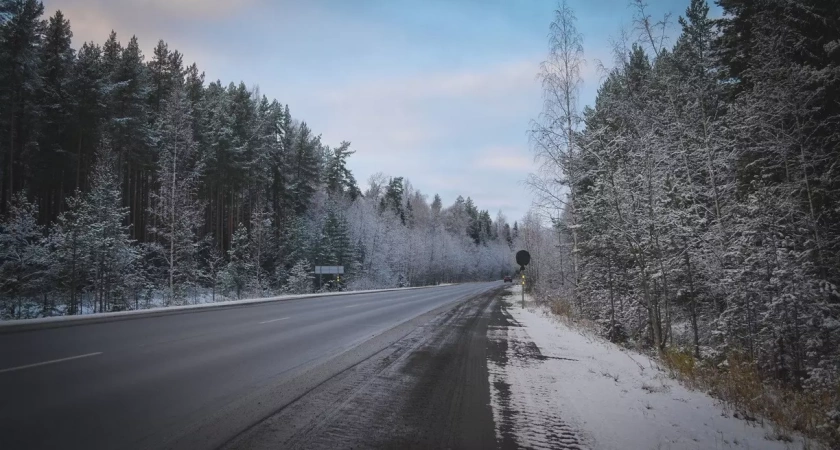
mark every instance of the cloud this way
{"type": "Point", "coordinates": [149, 20]}
{"type": "Point", "coordinates": [506, 158]}
{"type": "Point", "coordinates": [401, 114]}
{"type": "Point", "coordinates": [132, 11]}
{"type": "Point", "coordinates": [451, 132]}
{"type": "Point", "coordinates": [192, 8]}
{"type": "Point", "coordinates": [494, 81]}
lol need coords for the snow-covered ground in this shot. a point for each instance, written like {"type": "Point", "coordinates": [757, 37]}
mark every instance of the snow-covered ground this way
{"type": "Point", "coordinates": [554, 386]}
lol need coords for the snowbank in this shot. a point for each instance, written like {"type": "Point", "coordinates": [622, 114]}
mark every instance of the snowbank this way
{"type": "Point", "coordinates": [562, 388]}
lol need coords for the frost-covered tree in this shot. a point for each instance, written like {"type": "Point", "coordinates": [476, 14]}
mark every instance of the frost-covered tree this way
{"type": "Point", "coordinates": [23, 259]}
{"type": "Point", "coordinates": [702, 216]}
{"type": "Point", "coordinates": [261, 246]}
{"type": "Point", "coordinates": [239, 272]}
{"type": "Point", "coordinates": [177, 212]}
{"type": "Point", "coordinates": [300, 279]}
{"type": "Point", "coordinates": [338, 178]}
{"type": "Point", "coordinates": [554, 133]}
{"type": "Point", "coordinates": [111, 254]}
{"type": "Point", "coordinates": [214, 264]}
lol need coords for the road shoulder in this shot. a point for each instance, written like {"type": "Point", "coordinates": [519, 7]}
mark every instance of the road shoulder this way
{"type": "Point", "coordinates": [556, 386]}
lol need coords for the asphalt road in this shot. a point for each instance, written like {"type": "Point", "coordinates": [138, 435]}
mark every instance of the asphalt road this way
{"type": "Point", "coordinates": [197, 379]}
{"type": "Point", "coordinates": [428, 390]}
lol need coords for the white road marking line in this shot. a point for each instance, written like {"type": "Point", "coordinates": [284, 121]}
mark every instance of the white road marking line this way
{"type": "Point", "coordinates": [353, 306]}
{"type": "Point", "coordinates": [274, 320]}
{"type": "Point", "coordinates": [12, 369]}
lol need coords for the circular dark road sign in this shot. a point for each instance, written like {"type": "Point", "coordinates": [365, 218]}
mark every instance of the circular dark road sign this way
{"type": "Point", "coordinates": [523, 258]}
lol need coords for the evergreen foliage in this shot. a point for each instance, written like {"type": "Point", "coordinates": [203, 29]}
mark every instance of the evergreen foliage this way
{"type": "Point", "coordinates": [128, 182]}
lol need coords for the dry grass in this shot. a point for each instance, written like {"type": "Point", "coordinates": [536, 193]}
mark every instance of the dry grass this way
{"type": "Point", "coordinates": [741, 386]}
{"type": "Point", "coordinates": [561, 308]}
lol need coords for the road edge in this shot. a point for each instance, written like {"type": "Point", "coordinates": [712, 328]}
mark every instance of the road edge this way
{"type": "Point", "coordinates": [42, 323]}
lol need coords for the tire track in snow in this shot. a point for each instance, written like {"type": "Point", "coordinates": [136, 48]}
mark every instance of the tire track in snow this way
{"type": "Point", "coordinates": [520, 397]}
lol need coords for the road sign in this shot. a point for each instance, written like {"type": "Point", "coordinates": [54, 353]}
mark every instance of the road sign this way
{"type": "Point", "coordinates": [523, 258]}
{"type": "Point", "coordinates": [329, 270]}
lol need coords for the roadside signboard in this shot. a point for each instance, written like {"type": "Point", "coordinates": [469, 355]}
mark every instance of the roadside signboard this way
{"type": "Point", "coordinates": [324, 270]}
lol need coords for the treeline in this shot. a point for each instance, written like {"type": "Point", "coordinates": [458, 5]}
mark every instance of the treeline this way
{"type": "Point", "coordinates": [700, 195]}
{"type": "Point", "coordinates": [129, 183]}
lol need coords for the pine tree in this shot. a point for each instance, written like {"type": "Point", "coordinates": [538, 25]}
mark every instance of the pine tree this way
{"type": "Point", "coordinates": [57, 108]}
{"type": "Point", "coordinates": [214, 263]}
{"type": "Point", "coordinates": [111, 254]}
{"type": "Point", "coordinates": [87, 85]}
{"type": "Point", "coordinates": [262, 242]}
{"type": "Point", "coordinates": [437, 205]}
{"type": "Point", "coordinates": [334, 248]}
{"type": "Point", "coordinates": [304, 167]}
{"type": "Point", "coordinates": [393, 198]}
{"type": "Point", "coordinates": [239, 272]}
{"type": "Point", "coordinates": [22, 259]}
{"type": "Point", "coordinates": [68, 244]}
{"type": "Point", "coordinates": [338, 178]}
{"type": "Point", "coordinates": [300, 280]}
{"type": "Point", "coordinates": [20, 44]}
{"type": "Point", "coordinates": [166, 74]}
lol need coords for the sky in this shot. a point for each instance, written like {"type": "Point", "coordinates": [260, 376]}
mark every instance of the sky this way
{"type": "Point", "coordinates": [441, 92]}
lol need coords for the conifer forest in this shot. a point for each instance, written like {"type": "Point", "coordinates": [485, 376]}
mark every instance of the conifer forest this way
{"type": "Point", "coordinates": [130, 181]}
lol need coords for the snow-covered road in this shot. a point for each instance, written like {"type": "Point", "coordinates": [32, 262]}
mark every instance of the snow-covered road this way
{"type": "Point", "coordinates": [554, 386]}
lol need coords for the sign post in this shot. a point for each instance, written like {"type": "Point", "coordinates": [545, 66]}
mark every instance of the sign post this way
{"type": "Point", "coordinates": [523, 258]}
{"type": "Point", "coordinates": [330, 270]}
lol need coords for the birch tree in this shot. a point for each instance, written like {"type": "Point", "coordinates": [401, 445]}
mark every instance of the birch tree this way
{"type": "Point", "coordinates": [177, 211]}
{"type": "Point", "coordinates": [554, 132]}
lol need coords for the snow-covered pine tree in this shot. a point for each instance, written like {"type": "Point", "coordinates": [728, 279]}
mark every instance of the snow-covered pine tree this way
{"type": "Point", "coordinates": [165, 75]}
{"type": "Point", "coordinates": [300, 279]}
{"type": "Point", "coordinates": [304, 166]}
{"type": "Point", "coordinates": [338, 178]}
{"type": "Point", "coordinates": [126, 127]}
{"type": "Point", "coordinates": [68, 248]}
{"type": "Point", "coordinates": [214, 264]}
{"type": "Point", "coordinates": [262, 245]}
{"type": "Point", "coordinates": [238, 274]}
{"type": "Point", "coordinates": [23, 261]}
{"type": "Point", "coordinates": [392, 200]}
{"type": "Point", "coordinates": [110, 249]}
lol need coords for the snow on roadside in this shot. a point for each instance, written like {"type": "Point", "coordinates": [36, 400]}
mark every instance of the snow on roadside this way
{"type": "Point", "coordinates": [556, 387]}
{"type": "Point", "coordinates": [157, 306]}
